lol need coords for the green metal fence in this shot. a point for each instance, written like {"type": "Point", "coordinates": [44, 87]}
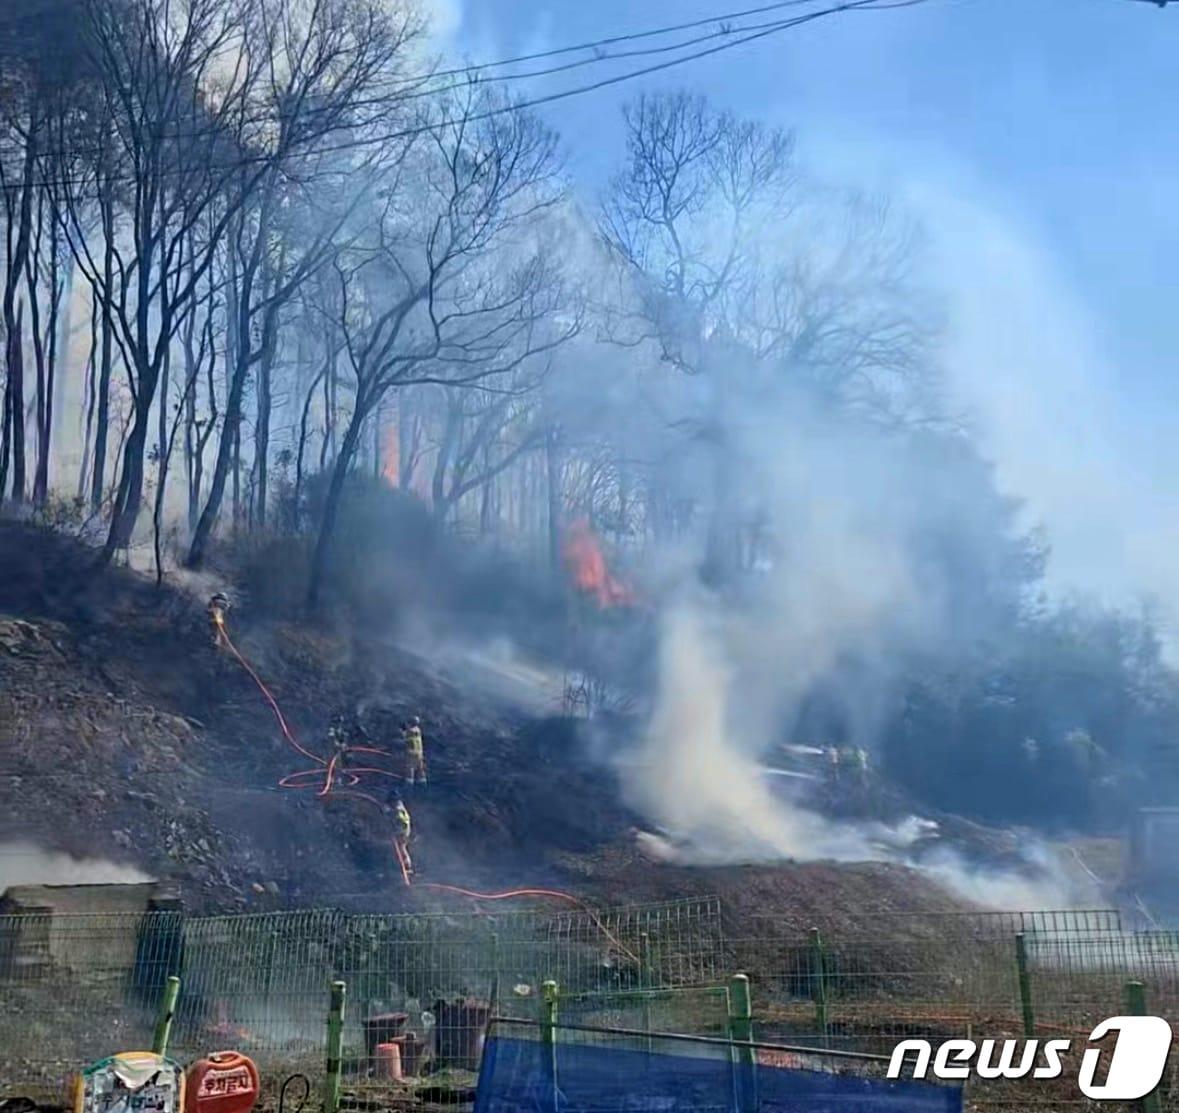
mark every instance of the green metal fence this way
{"type": "Point", "coordinates": [74, 988]}
{"type": "Point", "coordinates": [994, 976]}
{"type": "Point", "coordinates": [1054, 976]}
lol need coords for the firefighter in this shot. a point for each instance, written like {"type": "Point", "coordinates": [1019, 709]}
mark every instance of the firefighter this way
{"type": "Point", "coordinates": [415, 752]}
{"type": "Point", "coordinates": [401, 833]}
{"type": "Point", "coordinates": [338, 740]}
{"type": "Point", "coordinates": [832, 755]}
{"type": "Point", "coordinates": [217, 610]}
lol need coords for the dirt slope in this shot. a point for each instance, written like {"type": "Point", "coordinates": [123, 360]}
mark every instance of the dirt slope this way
{"type": "Point", "coordinates": [124, 735]}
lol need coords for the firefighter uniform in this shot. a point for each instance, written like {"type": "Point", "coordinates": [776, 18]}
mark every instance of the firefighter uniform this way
{"type": "Point", "coordinates": [217, 610]}
{"type": "Point", "coordinates": [338, 741]}
{"type": "Point", "coordinates": [401, 833]}
{"type": "Point", "coordinates": [415, 753]}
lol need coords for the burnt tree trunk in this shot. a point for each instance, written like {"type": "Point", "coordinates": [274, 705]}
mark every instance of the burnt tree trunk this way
{"type": "Point", "coordinates": [331, 505]}
{"type": "Point", "coordinates": [14, 395]}
{"type": "Point", "coordinates": [103, 392]}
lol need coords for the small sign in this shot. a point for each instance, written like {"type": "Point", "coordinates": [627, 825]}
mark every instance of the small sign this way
{"type": "Point", "coordinates": [130, 1082]}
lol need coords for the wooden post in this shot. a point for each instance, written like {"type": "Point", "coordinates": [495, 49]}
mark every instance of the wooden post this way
{"type": "Point", "coordinates": [335, 1050]}
{"type": "Point", "coordinates": [1025, 986]}
{"type": "Point", "coordinates": [159, 1041]}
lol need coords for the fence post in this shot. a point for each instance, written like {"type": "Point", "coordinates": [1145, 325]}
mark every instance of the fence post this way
{"type": "Point", "coordinates": [494, 995]}
{"type": "Point", "coordinates": [819, 982]}
{"type": "Point", "coordinates": [159, 1041]}
{"type": "Point", "coordinates": [1136, 1006]}
{"type": "Point", "coordinates": [741, 1033]}
{"type": "Point", "coordinates": [1025, 985]}
{"type": "Point", "coordinates": [548, 1035]}
{"type": "Point", "coordinates": [335, 1049]}
{"type": "Point", "coordinates": [645, 987]}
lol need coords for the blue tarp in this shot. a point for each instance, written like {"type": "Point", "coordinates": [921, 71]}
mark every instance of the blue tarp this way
{"type": "Point", "coordinates": [517, 1076]}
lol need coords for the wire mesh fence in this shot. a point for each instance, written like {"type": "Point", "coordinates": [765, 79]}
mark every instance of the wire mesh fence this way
{"type": "Point", "coordinates": [866, 994]}
{"type": "Point", "coordinates": [995, 977]}
{"type": "Point", "coordinates": [421, 989]}
{"type": "Point", "coordinates": [957, 925]}
{"type": "Point", "coordinates": [703, 1011]}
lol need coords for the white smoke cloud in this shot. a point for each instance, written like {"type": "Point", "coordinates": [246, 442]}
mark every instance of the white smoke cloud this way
{"type": "Point", "coordinates": [1026, 359]}
{"type": "Point", "coordinates": [22, 863]}
{"type": "Point", "coordinates": [847, 503]}
{"type": "Point", "coordinates": [730, 675]}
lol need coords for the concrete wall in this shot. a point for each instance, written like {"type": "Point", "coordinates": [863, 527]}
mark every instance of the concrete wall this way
{"type": "Point", "coordinates": [76, 927]}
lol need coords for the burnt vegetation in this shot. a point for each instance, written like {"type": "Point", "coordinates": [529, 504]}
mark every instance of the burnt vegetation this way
{"type": "Point", "coordinates": [282, 307]}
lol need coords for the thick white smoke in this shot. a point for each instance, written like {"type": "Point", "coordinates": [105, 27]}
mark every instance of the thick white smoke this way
{"type": "Point", "coordinates": [732, 673]}
{"type": "Point", "coordinates": [851, 508]}
{"type": "Point", "coordinates": [697, 779]}
{"type": "Point", "coordinates": [22, 863]}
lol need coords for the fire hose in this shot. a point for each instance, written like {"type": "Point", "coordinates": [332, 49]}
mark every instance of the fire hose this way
{"type": "Point", "coordinates": [327, 780]}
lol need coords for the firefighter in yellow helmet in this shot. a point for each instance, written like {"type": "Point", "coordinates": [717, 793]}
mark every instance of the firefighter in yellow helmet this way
{"type": "Point", "coordinates": [401, 832]}
{"type": "Point", "coordinates": [415, 752]}
{"type": "Point", "coordinates": [217, 610]}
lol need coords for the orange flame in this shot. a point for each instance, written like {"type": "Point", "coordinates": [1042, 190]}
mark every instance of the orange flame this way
{"type": "Point", "coordinates": [391, 456]}
{"type": "Point", "coordinates": [588, 569]}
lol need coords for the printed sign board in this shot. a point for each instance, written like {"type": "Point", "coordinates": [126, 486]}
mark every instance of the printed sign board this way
{"type": "Point", "coordinates": [130, 1082]}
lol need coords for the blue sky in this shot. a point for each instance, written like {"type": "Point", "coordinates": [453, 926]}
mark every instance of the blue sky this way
{"type": "Point", "coordinates": [1039, 142]}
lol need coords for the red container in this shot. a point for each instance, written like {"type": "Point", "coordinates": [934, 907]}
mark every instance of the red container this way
{"type": "Point", "coordinates": [382, 1029]}
{"type": "Point", "coordinates": [388, 1065]}
{"type": "Point", "coordinates": [224, 1082]}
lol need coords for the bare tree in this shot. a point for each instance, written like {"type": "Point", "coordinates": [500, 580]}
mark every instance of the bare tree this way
{"type": "Point", "coordinates": [738, 273]}
{"type": "Point", "coordinates": [329, 66]}
{"type": "Point", "coordinates": [483, 432]}
{"type": "Point", "coordinates": [203, 104]}
{"type": "Point", "coordinates": [450, 283]}
{"type": "Point", "coordinates": [698, 189]}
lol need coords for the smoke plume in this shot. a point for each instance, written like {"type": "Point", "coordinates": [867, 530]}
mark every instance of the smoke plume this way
{"type": "Point", "coordinates": [23, 863]}
{"type": "Point", "coordinates": [858, 588]}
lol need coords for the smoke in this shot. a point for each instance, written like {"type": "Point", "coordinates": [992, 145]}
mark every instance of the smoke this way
{"type": "Point", "coordinates": [703, 785]}
{"type": "Point", "coordinates": [23, 863]}
{"type": "Point", "coordinates": [884, 558]}
{"type": "Point", "coordinates": [1060, 419]}
{"type": "Point", "coordinates": [1044, 884]}
{"type": "Point", "coordinates": [697, 779]}
{"type": "Point", "coordinates": [734, 672]}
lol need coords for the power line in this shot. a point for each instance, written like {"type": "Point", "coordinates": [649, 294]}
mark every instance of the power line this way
{"type": "Point", "coordinates": [612, 40]}
{"type": "Point", "coordinates": [565, 94]}
{"type": "Point", "coordinates": [474, 71]}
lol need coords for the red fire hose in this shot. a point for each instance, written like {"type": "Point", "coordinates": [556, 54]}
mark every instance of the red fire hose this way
{"type": "Point", "coordinates": [327, 781]}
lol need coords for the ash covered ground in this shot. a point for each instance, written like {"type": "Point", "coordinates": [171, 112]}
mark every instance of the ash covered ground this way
{"type": "Point", "coordinates": [129, 739]}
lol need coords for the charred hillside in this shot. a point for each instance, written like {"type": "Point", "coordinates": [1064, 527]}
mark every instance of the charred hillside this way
{"type": "Point", "coordinates": [126, 737]}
